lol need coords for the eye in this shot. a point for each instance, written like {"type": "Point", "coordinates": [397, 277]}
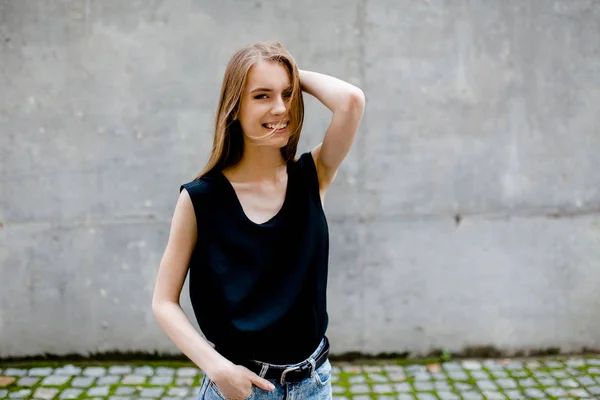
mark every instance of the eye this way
{"type": "Point", "coordinates": [260, 96]}
{"type": "Point", "coordinates": [287, 93]}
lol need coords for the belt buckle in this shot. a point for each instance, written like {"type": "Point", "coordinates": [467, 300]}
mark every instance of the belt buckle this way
{"type": "Point", "coordinates": [282, 380]}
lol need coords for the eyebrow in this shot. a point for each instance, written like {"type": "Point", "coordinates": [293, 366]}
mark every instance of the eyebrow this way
{"type": "Point", "coordinates": [266, 89]}
{"type": "Point", "coordinates": [261, 90]}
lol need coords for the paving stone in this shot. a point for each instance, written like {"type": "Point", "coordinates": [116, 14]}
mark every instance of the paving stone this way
{"type": "Point", "coordinates": [575, 363]}
{"type": "Point", "coordinates": [556, 391]}
{"type": "Point", "coordinates": [405, 396]}
{"type": "Point", "coordinates": [335, 369]}
{"type": "Point", "coordinates": [161, 380]}
{"type": "Point", "coordinates": [535, 393]}
{"type": "Point", "coordinates": [144, 371]}
{"type": "Point", "coordinates": [422, 376]}
{"type": "Point", "coordinates": [94, 371]}
{"type": "Point", "coordinates": [357, 379]}
{"type": "Point", "coordinates": [586, 381]}
{"type": "Point", "coordinates": [377, 377]}
{"type": "Point", "coordinates": [151, 392]}
{"type": "Point", "coordinates": [40, 371]}
{"type": "Point", "coordinates": [20, 394]}
{"type": "Point", "coordinates": [594, 390]}
{"type": "Point", "coordinates": [397, 376]}
{"type": "Point", "coordinates": [361, 397]}
{"type": "Point", "coordinates": [532, 365]}
{"type": "Point", "coordinates": [382, 388]}
{"type": "Point", "coordinates": [529, 382]}
{"type": "Point", "coordinates": [458, 376]}
{"type": "Point", "coordinates": [120, 370]}
{"type": "Point", "coordinates": [55, 380]}
{"type": "Point", "coordinates": [123, 390]}
{"type": "Point", "coordinates": [423, 386]}
{"type": "Point", "coordinates": [118, 398]}
{"type": "Point", "coordinates": [99, 391]}
{"type": "Point", "coordinates": [83, 381]}
{"type": "Point", "coordinates": [569, 383]}
{"type": "Point", "coordinates": [480, 375]}
{"type": "Point", "coordinates": [28, 381]}
{"type": "Point", "coordinates": [70, 393]}
{"type": "Point", "coordinates": [579, 393]}
{"type": "Point", "coordinates": [181, 391]}
{"type": "Point", "coordinates": [337, 389]}
{"type": "Point", "coordinates": [108, 380]}
{"type": "Point", "coordinates": [554, 364]}
{"type": "Point", "coordinates": [3, 393]}
{"type": "Point", "coordinates": [184, 381]}
{"type": "Point", "coordinates": [426, 396]}
{"type": "Point", "coordinates": [471, 365]}
{"type": "Point", "coordinates": [452, 366]}
{"type": "Point", "coordinates": [359, 388]}
{"type": "Point", "coordinates": [439, 376]}
{"type": "Point", "coordinates": [541, 374]}
{"type": "Point", "coordinates": [415, 369]}
{"type": "Point", "coordinates": [519, 373]}
{"type": "Point", "coordinates": [499, 373]}
{"type": "Point", "coordinates": [442, 386]}
{"type": "Point", "coordinates": [507, 383]}
{"type": "Point", "coordinates": [547, 381]}
{"type": "Point", "coordinates": [15, 372]}
{"type": "Point", "coordinates": [165, 371]}
{"type": "Point", "coordinates": [487, 385]}
{"type": "Point", "coordinates": [593, 361]}
{"type": "Point", "coordinates": [44, 393]}
{"type": "Point", "coordinates": [133, 380]}
{"type": "Point", "coordinates": [385, 397]}
{"type": "Point", "coordinates": [445, 395]}
{"type": "Point", "coordinates": [492, 395]}
{"type": "Point", "coordinates": [472, 396]}
{"type": "Point", "coordinates": [513, 365]}
{"type": "Point", "coordinates": [594, 370]}
{"type": "Point", "coordinates": [396, 368]}
{"type": "Point", "coordinates": [402, 387]}
{"type": "Point", "coordinates": [68, 370]}
{"type": "Point", "coordinates": [514, 394]}
{"type": "Point", "coordinates": [372, 368]}
{"type": "Point", "coordinates": [492, 365]}
{"type": "Point", "coordinates": [334, 378]}
{"type": "Point", "coordinates": [463, 387]}
{"type": "Point", "coordinates": [187, 372]}
{"type": "Point", "coordinates": [559, 374]}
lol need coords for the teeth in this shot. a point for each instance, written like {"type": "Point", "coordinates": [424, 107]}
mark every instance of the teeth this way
{"type": "Point", "coordinates": [271, 126]}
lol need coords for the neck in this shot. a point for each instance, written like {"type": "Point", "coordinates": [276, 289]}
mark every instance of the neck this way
{"type": "Point", "coordinates": [259, 163]}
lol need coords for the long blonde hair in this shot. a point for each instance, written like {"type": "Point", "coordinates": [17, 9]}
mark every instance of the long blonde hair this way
{"type": "Point", "coordinates": [228, 142]}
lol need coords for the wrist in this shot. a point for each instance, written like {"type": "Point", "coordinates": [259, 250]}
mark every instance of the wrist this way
{"type": "Point", "coordinates": [217, 370]}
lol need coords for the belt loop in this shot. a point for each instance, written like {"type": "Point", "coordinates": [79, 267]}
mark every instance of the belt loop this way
{"type": "Point", "coordinates": [263, 370]}
{"type": "Point", "coordinates": [313, 366]}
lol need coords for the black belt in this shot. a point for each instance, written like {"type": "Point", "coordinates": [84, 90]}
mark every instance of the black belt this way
{"type": "Point", "coordinates": [291, 374]}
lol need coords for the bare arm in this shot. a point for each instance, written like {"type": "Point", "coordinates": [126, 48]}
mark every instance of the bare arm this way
{"type": "Point", "coordinates": [347, 102]}
{"type": "Point", "coordinates": [170, 315]}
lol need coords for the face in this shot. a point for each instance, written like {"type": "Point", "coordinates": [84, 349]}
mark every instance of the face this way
{"type": "Point", "coordinates": [263, 111]}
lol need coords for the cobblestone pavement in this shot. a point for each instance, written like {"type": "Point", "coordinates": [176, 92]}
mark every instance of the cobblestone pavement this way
{"type": "Point", "coordinates": [557, 378]}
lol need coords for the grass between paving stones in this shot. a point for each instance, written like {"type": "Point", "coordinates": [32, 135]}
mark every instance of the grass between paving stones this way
{"type": "Point", "coordinates": [343, 377]}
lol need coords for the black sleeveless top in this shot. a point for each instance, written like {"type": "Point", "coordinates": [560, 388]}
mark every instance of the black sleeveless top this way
{"type": "Point", "coordinates": [258, 291]}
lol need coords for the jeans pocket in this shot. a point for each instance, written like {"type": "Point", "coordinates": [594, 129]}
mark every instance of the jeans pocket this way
{"type": "Point", "coordinates": [323, 373]}
{"type": "Point", "coordinates": [213, 393]}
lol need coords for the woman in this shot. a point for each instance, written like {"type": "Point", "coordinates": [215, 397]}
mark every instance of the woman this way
{"type": "Point", "coordinates": [252, 232]}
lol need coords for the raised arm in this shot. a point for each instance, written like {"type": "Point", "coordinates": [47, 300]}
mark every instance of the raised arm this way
{"type": "Point", "coordinates": [347, 102]}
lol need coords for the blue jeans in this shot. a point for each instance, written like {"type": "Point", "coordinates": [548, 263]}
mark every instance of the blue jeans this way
{"type": "Point", "coordinates": [316, 387]}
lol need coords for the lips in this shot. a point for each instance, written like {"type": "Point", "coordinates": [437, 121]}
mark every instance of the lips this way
{"type": "Point", "coordinates": [277, 127]}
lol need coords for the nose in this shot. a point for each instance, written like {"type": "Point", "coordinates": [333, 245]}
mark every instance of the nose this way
{"type": "Point", "coordinates": [279, 106]}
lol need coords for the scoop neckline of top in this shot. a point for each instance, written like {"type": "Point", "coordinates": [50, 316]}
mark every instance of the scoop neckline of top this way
{"type": "Point", "coordinates": [239, 203]}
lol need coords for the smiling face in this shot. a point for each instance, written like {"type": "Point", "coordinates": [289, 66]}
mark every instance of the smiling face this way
{"type": "Point", "coordinates": [263, 112]}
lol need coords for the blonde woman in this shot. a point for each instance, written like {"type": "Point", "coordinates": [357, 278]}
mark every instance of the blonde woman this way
{"type": "Point", "coordinates": [251, 230]}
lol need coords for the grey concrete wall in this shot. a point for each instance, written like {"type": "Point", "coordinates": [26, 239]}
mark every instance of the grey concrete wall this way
{"type": "Point", "coordinates": [467, 214]}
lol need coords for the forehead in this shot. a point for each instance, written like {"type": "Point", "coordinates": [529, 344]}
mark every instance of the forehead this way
{"type": "Point", "coordinates": [269, 75]}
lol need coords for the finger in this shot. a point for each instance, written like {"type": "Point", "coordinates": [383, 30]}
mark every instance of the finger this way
{"type": "Point", "coordinates": [260, 382]}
